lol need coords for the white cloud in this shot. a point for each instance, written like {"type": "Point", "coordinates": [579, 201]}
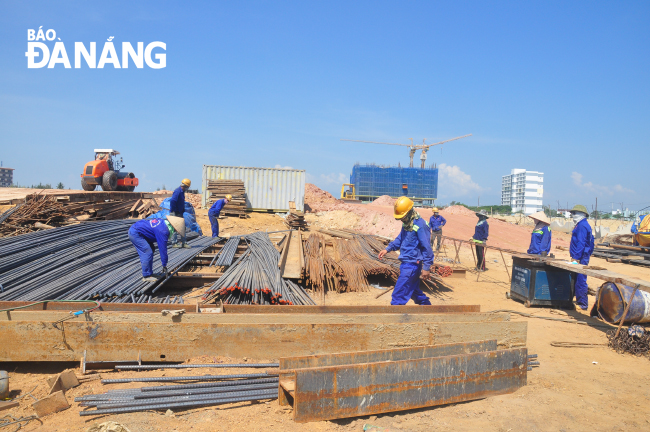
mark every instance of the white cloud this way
{"type": "Point", "coordinates": [278, 166]}
{"type": "Point", "coordinates": [333, 178]}
{"type": "Point", "coordinates": [454, 182]}
{"type": "Point", "coordinates": [598, 189]}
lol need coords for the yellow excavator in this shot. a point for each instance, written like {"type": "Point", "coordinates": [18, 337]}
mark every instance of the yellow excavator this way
{"type": "Point", "coordinates": [347, 193]}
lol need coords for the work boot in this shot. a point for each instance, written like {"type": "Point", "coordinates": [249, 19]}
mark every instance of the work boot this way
{"type": "Point", "coordinates": [150, 279]}
{"type": "Point", "coordinates": [177, 245]}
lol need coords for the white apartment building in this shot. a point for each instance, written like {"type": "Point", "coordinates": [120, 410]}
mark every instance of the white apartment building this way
{"type": "Point", "coordinates": [523, 190]}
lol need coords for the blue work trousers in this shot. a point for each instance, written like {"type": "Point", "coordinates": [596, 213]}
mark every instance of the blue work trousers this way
{"type": "Point", "coordinates": [214, 222]}
{"type": "Point", "coordinates": [145, 249]}
{"type": "Point", "coordinates": [408, 286]}
{"type": "Point", "coordinates": [582, 288]}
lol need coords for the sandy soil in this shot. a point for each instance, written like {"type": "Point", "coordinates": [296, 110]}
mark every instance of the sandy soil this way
{"type": "Point", "coordinates": [574, 389]}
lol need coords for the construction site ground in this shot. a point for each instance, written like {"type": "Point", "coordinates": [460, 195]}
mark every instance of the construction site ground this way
{"type": "Point", "coordinates": [574, 389]}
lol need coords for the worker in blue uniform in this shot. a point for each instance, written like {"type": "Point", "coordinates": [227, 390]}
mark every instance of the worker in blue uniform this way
{"type": "Point", "coordinates": [481, 232]}
{"type": "Point", "coordinates": [213, 213]}
{"type": "Point", "coordinates": [415, 254]}
{"type": "Point", "coordinates": [540, 239]}
{"type": "Point", "coordinates": [144, 233]}
{"type": "Point", "coordinates": [436, 222]}
{"type": "Point", "coordinates": [177, 208]}
{"type": "Point", "coordinates": [581, 248]}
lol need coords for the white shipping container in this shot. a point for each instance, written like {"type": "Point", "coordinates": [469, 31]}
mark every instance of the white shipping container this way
{"type": "Point", "coordinates": [266, 188]}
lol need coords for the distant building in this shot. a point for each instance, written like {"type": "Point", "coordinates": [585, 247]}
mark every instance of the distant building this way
{"type": "Point", "coordinates": [6, 177]}
{"type": "Point", "coordinates": [373, 181]}
{"type": "Point", "coordinates": [523, 191]}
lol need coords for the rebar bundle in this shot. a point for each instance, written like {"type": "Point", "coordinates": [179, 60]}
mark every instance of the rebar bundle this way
{"type": "Point", "coordinates": [227, 253]}
{"type": "Point", "coordinates": [254, 278]}
{"type": "Point", "coordinates": [180, 396]}
{"type": "Point", "coordinates": [91, 260]}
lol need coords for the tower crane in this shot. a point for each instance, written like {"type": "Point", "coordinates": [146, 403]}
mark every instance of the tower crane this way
{"type": "Point", "coordinates": [414, 147]}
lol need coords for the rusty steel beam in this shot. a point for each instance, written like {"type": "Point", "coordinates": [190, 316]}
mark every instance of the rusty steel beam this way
{"type": "Point", "coordinates": [170, 342]}
{"type": "Point", "coordinates": [411, 353]}
{"type": "Point", "coordinates": [373, 388]}
{"type": "Point", "coordinates": [350, 309]}
{"type": "Point", "coordinates": [232, 318]}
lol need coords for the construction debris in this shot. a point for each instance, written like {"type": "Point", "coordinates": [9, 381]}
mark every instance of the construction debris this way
{"type": "Point", "coordinates": [47, 211]}
{"type": "Point", "coordinates": [51, 404]}
{"type": "Point", "coordinates": [218, 189]}
{"type": "Point", "coordinates": [295, 220]}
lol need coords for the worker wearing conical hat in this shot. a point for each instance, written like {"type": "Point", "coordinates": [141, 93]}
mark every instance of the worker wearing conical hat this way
{"type": "Point", "coordinates": [481, 232]}
{"type": "Point", "coordinates": [215, 210]}
{"type": "Point", "coordinates": [144, 233]}
{"type": "Point", "coordinates": [540, 239]}
{"type": "Point", "coordinates": [177, 208]}
{"type": "Point", "coordinates": [414, 245]}
{"type": "Point", "coordinates": [581, 247]}
{"type": "Point", "coordinates": [436, 222]}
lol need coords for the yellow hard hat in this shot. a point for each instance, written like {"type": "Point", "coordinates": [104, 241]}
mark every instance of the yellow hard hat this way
{"type": "Point", "coordinates": [186, 182]}
{"type": "Point", "coordinates": [435, 210]}
{"type": "Point", "coordinates": [402, 206]}
{"type": "Point", "coordinates": [228, 197]}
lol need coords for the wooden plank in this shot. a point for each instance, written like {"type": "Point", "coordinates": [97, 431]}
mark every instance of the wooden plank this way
{"type": "Point", "coordinates": [176, 342]}
{"type": "Point", "coordinates": [605, 275]}
{"type": "Point", "coordinates": [292, 268]}
{"type": "Point", "coordinates": [230, 318]}
{"type": "Point", "coordinates": [357, 357]}
{"type": "Point", "coordinates": [51, 404]}
{"type": "Point", "coordinates": [375, 388]}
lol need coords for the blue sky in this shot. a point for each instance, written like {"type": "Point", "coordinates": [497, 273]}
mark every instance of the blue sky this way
{"type": "Point", "coordinates": [558, 87]}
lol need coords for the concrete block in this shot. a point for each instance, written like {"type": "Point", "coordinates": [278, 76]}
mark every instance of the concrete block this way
{"type": "Point", "coordinates": [51, 404]}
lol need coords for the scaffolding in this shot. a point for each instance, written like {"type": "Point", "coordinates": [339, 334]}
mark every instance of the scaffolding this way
{"type": "Point", "coordinates": [373, 181]}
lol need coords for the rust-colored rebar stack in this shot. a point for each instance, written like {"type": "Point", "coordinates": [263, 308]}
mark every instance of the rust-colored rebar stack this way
{"type": "Point", "coordinates": [45, 211]}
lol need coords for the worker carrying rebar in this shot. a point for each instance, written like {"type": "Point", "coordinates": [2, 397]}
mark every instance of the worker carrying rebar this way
{"type": "Point", "coordinates": [481, 232]}
{"type": "Point", "coordinates": [436, 222]}
{"type": "Point", "coordinates": [415, 254]}
{"type": "Point", "coordinates": [215, 210]}
{"type": "Point", "coordinates": [581, 248]}
{"type": "Point", "coordinates": [145, 232]}
{"type": "Point", "coordinates": [177, 207]}
{"type": "Point", "coordinates": [540, 239]}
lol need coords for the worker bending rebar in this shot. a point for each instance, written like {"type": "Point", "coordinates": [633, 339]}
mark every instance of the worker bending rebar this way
{"type": "Point", "coordinates": [177, 208]}
{"type": "Point", "coordinates": [415, 254]}
{"type": "Point", "coordinates": [540, 239]}
{"type": "Point", "coordinates": [581, 248]}
{"type": "Point", "coordinates": [215, 210]}
{"type": "Point", "coordinates": [481, 232]}
{"type": "Point", "coordinates": [145, 232]}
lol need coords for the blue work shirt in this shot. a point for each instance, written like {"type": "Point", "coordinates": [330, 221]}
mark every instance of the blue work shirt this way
{"type": "Point", "coordinates": [540, 241]}
{"type": "Point", "coordinates": [414, 245]}
{"type": "Point", "coordinates": [177, 203]}
{"type": "Point", "coordinates": [154, 230]}
{"type": "Point", "coordinates": [437, 222]}
{"type": "Point", "coordinates": [481, 231]}
{"type": "Point", "coordinates": [216, 207]}
{"type": "Point", "coordinates": [582, 241]}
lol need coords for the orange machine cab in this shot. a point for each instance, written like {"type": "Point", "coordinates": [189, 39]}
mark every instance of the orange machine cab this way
{"type": "Point", "coordinates": [105, 172]}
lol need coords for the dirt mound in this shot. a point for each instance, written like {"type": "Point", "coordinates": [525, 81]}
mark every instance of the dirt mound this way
{"type": "Point", "coordinates": [457, 210]}
{"type": "Point", "coordinates": [384, 200]}
{"type": "Point", "coordinates": [319, 200]}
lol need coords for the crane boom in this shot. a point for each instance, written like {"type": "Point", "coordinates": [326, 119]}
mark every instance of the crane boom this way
{"type": "Point", "coordinates": [413, 147]}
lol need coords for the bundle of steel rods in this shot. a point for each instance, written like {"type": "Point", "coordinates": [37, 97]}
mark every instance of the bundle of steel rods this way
{"type": "Point", "coordinates": [181, 396]}
{"type": "Point", "coordinates": [227, 253]}
{"type": "Point", "coordinates": [91, 260]}
{"type": "Point", "coordinates": [254, 278]}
